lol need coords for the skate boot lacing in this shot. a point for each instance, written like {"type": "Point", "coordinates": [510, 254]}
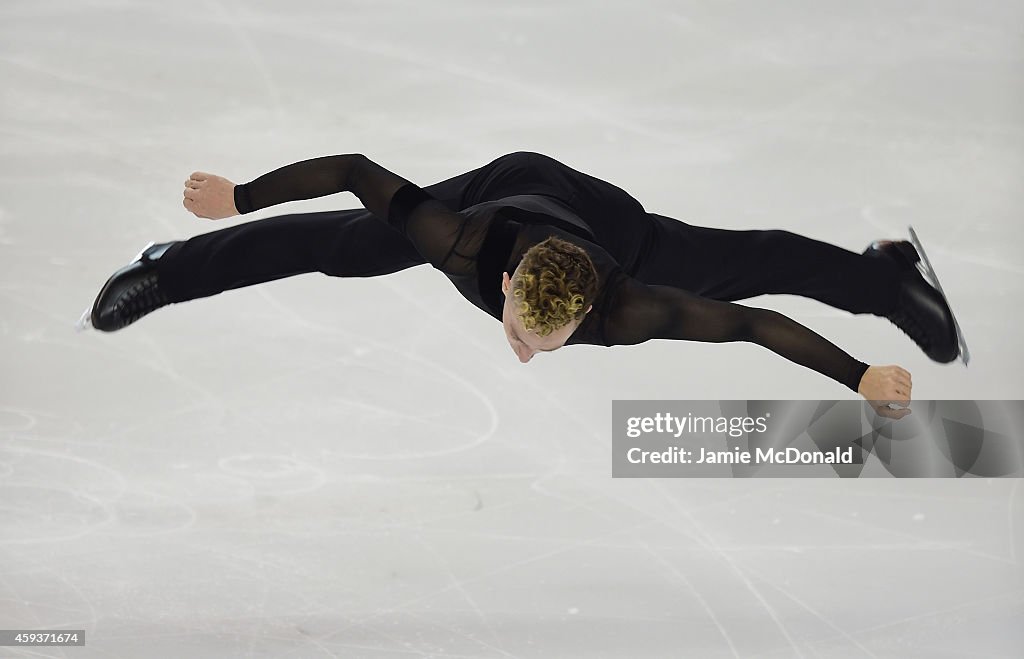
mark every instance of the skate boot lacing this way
{"type": "Point", "coordinates": [143, 297]}
{"type": "Point", "coordinates": [909, 326]}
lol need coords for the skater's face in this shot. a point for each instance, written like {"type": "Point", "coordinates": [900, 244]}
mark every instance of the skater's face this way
{"type": "Point", "coordinates": [526, 343]}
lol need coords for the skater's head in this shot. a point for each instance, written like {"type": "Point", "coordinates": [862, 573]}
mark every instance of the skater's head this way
{"type": "Point", "coordinates": [547, 296]}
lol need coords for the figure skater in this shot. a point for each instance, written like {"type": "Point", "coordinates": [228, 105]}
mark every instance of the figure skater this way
{"type": "Point", "coordinates": [558, 256]}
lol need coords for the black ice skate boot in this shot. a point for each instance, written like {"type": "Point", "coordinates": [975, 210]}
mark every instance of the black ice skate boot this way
{"type": "Point", "coordinates": [130, 293]}
{"type": "Point", "coordinates": [922, 311]}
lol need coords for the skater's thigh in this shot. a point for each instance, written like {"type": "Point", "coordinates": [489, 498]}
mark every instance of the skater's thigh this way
{"type": "Point", "coordinates": [717, 263]}
{"type": "Point", "coordinates": [347, 243]}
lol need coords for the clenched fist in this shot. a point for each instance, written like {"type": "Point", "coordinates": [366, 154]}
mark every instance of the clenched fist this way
{"type": "Point", "coordinates": [209, 196]}
{"type": "Point", "coordinates": [882, 385]}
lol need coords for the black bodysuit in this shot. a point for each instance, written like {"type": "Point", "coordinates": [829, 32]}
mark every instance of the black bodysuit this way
{"type": "Point", "coordinates": [657, 276]}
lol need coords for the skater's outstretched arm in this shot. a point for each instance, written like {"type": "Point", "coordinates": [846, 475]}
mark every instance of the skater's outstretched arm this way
{"type": "Point", "coordinates": [430, 225]}
{"type": "Point", "coordinates": [641, 312]}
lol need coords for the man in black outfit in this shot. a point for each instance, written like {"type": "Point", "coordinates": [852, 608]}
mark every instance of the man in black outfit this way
{"type": "Point", "coordinates": [656, 277]}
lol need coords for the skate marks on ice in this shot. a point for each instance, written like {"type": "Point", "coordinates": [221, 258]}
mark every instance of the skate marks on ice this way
{"type": "Point", "coordinates": [362, 347]}
{"type": "Point", "coordinates": [276, 475]}
{"type": "Point", "coordinates": [52, 496]}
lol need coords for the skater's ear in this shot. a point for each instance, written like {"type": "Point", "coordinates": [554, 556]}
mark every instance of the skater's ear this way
{"type": "Point", "coordinates": [506, 282]}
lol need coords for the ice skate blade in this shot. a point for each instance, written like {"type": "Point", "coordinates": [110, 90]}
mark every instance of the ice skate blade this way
{"type": "Point", "coordinates": [933, 278]}
{"type": "Point", "coordinates": [85, 322]}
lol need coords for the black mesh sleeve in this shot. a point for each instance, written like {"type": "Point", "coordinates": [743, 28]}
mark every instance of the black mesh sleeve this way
{"type": "Point", "coordinates": [431, 226]}
{"type": "Point", "coordinates": [307, 179]}
{"type": "Point", "coordinates": [641, 312]}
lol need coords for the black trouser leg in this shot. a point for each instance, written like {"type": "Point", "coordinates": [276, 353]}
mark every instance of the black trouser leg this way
{"type": "Point", "coordinates": [733, 265]}
{"type": "Point", "coordinates": [349, 243]}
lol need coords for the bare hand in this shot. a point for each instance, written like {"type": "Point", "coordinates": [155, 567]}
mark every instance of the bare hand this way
{"type": "Point", "coordinates": [209, 196]}
{"type": "Point", "coordinates": [881, 385]}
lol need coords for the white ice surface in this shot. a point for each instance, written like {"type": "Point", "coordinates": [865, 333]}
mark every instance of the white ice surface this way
{"type": "Point", "coordinates": [320, 467]}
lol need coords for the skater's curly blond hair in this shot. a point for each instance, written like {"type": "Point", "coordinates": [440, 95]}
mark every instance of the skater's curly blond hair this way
{"type": "Point", "coordinates": [556, 285]}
